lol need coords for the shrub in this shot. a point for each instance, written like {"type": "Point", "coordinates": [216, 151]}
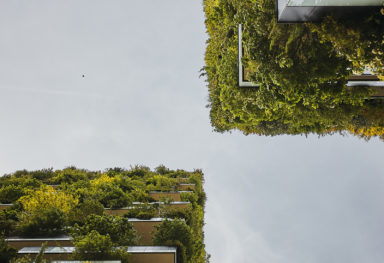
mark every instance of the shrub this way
{"type": "Point", "coordinates": [41, 222]}
{"type": "Point", "coordinates": [95, 246]}
{"type": "Point", "coordinates": [104, 179]}
{"type": "Point", "coordinates": [112, 172]}
{"type": "Point", "coordinates": [144, 211]}
{"type": "Point", "coordinates": [24, 182]}
{"type": "Point", "coordinates": [10, 193]}
{"type": "Point", "coordinates": [88, 207]}
{"type": "Point", "coordinates": [181, 253]}
{"type": "Point", "coordinates": [6, 252]}
{"type": "Point", "coordinates": [138, 171]}
{"type": "Point", "coordinates": [140, 195]}
{"type": "Point", "coordinates": [174, 213]}
{"type": "Point", "coordinates": [119, 229]}
{"type": "Point", "coordinates": [8, 218]}
{"type": "Point", "coordinates": [175, 230]}
{"type": "Point", "coordinates": [360, 39]}
{"type": "Point", "coordinates": [189, 197]}
{"type": "Point", "coordinates": [112, 196]}
{"type": "Point", "coordinates": [160, 183]}
{"type": "Point", "coordinates": [69, 175]}
{"type": "Point", "coordinates": [161, 169]}
{"type": "Point", "coordinates": [42, 175]}
{"type": "Point", "coordinates": [48, 197]}
{"type": "Point", "coordinates": [128, 184]}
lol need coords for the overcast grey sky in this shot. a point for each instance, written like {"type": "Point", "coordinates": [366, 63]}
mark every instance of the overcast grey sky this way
{"type": "Point", "coordinates": [282, 199]}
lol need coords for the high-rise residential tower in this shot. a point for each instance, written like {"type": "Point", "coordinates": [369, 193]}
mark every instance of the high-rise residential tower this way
{"type": "Point", "coordinates": [135, 215]}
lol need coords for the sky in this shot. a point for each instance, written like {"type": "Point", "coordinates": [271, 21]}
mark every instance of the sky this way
{"type": "Point", "coordinates": [285, 199]}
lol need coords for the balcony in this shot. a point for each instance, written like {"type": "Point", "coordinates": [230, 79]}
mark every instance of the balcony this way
{"type": "Point", "coordinates": [139, 254]}
{"type": "Point", "coordinates": [20, 242]}
{"type": "Point", "coordinates": [170, 205]}
{"type": "Point", "coordinates": [365, 80]}
{"type": "Point", "coordinates": [298, 11]}
{"type": "Point", "coordinates": [175, 196]}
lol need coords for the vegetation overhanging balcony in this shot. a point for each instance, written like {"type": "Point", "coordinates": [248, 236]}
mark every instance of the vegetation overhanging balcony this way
{"type": "Point", "coordinates": [364, 80]}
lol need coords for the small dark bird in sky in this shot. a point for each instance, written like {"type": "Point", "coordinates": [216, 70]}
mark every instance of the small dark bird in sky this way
{"type": "Point", "coordinates": [83, 76]}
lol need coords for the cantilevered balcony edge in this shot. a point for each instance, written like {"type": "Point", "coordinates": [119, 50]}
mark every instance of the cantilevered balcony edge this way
{"type": "Point", "coordinates": [150, 203]}
{"type": "Point", "coordinates": [169, 192]}
{"type": "Point", "coordinates": [288, 11]}
{"type": "Point", "coordinates": [88, 261]}
{"type": "Point", "coordinates": [57, 238]}
{"type": "Point", "coordinates": [134, 250]}
{"type": "Point", "coordinates": [242, 82]}
{"type": "Point", "coordinates": [131, 249]}
{"type": "Point", "coordinates": [20, 242]}
{"type": "Point", "coordinates": [5, 206]}
{"type": "Point", "coordinates": [145, 229]}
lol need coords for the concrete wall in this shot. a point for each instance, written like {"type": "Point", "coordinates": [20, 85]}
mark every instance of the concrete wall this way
{"type": "Point", "coordinates": [186, 187]}
{"type": "Point", "coordinates": [178, 206]}
{"type": "Point", "coordinates": [145, 231]}
{"type": "Point", "coordinates": [363, 77]}
{"type": "Point", "coordinates": [183, 180]}
{"type": "Point", "coordinates": [153, 258]}
{"type": "Point", "coordinates": [122, 211]}
{"type": "Point", "coordinates": [175, 196]}
{"type": "Point", "coordinates": [52, 256]}
{"type": "Point", "coordinates": [378, 91]}
{"type": "Point", "coordinates": [116, 212]}
{"type": "Point", "coordinates": [135, 257]}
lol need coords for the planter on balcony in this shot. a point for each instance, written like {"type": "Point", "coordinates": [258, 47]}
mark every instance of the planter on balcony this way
{"type": "Point", "coordinates": [5, 206]}
{"type": "Point", "coordinates": [186, 187]}
{"type": "Point", "coordinates": [123, 210]}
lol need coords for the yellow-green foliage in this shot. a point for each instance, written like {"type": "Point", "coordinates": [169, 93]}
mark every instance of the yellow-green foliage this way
{"type": "Point", "coordinates": [360, 40]}
{"type": "Point", "coordinates": [103, 179]}
{"type": "Point", "coordinates": [161, 182]}
{"type": "Point", "coordinates": [48, 197]}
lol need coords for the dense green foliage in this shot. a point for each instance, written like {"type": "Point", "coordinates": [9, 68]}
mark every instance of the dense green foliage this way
{"type": "Point", "coordinates": [10, 193]}
{"type": "Point", "coordinates": [94, 246]}
{"type": "Point", "coordinates": [301, 75]}
{"type": "Point", "coordinates": [80, 213]}
{"type": "Point", "coordinates": [8, 217]}
{"type": "Point", "coordinates": [119, 229]}
{"type": "Point", "coordinates": [360, 40]}
{"type": "Point", "coordinates": [176, 232]}
{"type": "Point", "coordinates": [6, 252]}
{"type": "Point", "coordinates": [142, 211]}
{"type": "Point", "coordinates": [42, 222]}
{"type": "Point", "coordinates": [73, 201]}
